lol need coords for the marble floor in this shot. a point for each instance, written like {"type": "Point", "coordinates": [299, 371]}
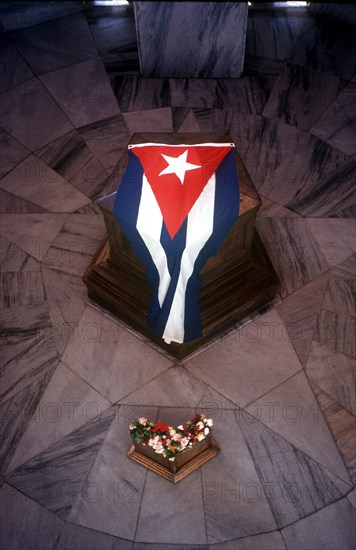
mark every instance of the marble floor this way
{"type": "Point", "coordinates": [281, 390]}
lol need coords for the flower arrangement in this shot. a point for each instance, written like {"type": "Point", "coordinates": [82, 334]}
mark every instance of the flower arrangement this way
{"type": "Point", "coordinates": [169, 441]}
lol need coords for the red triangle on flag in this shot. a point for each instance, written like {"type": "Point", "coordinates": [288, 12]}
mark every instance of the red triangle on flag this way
{"type": "Point", "coordinates": [178, 175]}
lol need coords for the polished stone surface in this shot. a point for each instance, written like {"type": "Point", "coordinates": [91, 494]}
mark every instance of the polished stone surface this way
{"type": "Point", "coordinates": [280, 389]}
{"type": "Point", "coordinates": [215, 51]}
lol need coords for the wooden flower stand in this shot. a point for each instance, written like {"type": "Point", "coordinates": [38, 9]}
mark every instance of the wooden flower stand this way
{"type": "Point", "coordinates": [185, 463]}
{"type": "Point", "coordinates": [238, 283]}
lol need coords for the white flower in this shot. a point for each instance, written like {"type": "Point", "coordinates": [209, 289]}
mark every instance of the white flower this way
{"type": "Point", "coordinates": [172, 432]}
{"type": "Point", "coordinates": [160, 451]}
{"type": "Point", "coordinates": [132, 427]}
{"type": "Point", "coordinates": [200, 425]}
{"type": "Point", "coordinates": [209, 422]}
{"type": "Point", "coordinates": [200, 437]}
{"type": "Point", "coordinates": [142, 420]}
{"type": "Point", "coordinates": [176, 437]}
{"type": "Point", "coordinates": [184, 442]}
{"type": "Point", "coordinates": [172, 459]}
{"type": "Point", "coordinates": [206, 431]}
{"type": "Point", "coordinates": [180, 427]}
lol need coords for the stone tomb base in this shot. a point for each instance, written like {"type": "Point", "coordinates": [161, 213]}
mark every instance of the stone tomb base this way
{"type": "Point", "coordinates": [237, 282]}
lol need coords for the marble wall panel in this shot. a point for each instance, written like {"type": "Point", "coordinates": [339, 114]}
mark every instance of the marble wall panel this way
{"type": "Point", "coordinates": [337, 124]}
{"type": "Point", "coordinates": [323, 43]}
{"type": "Point", "coordinates": [21, 15]}
{"type": "Point", "coordinates": [193, 92]}
{"type": "Point", "coordinates": [55, 44]}
{"type": "Point", "coordinates": [248, 94]}
{"type": "Point", "coordinates": [211, 38]}
{"type": "Point", "coordinates": [13, 69]}
{"type": "Point", "coordinates": [301, 95]}
{"type": "Point", "coordinates": [10, 203]}
{"type": "Point", "coordinates": [82, 91]}
{"type": "Point", "coordinates": [107, 139]}
{"type": "Point", "coordinates": [13, 259]}
{"type": "Point", "coordinates": [114, 32]}
{"type": "Point", "coordinates": [11, 152]}
{"type": "Point", "coordinates": [36, 182]}
{"type": "Point", "coordinates": [21, 289]}
{"type": "Point", "coordinates": [29, 114]}
{"type": "Point", "coordinates": [135, 93]}
{"type": "Point", "coordinates": [293, 251]}
{"type": "Point", "coordinates": [73, 160]}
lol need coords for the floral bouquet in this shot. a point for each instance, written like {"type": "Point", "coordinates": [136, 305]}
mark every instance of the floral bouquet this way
{"type": "Point", "coordinates": [169, 441]}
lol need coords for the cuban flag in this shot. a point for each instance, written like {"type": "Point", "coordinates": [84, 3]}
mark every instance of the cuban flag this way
{"type": "Point", "coordinates": [176, 204]}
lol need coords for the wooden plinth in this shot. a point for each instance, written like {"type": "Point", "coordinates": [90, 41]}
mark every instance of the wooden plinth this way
{"type": "Point", "coordinates": [225, 301]}
{"type": "Point", "coordinates": [166, 470]}
{"type": "Point", "coordinates": [237, 282]}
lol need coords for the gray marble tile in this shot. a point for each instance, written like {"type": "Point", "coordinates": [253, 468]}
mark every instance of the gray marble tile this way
{"type": "Point", "coordinates": [299, 313]}
{"type": "Point", "coordinates": [336, 125]}
{"type": "Point", "coordinates": [76, 537]}
{"type": "Point", "coordinates": [11, 152]}
{"type": "Point", "coordinates": [340, 297]}
{"type": "Point", "coordinates": [55, 477]}
{"type": "Point", "coordinates": [184, 120]}
{"type": "Point", "coordinates": [107, 139]}
{"type": "Point", "coordinates": [296, 485]}
{"type": "Point", "coordinates": [13, 69]}
{"type": "Point", "coordinates": [99, 340]}
{"type": "Point", "coordinates": [335, 237]}
{"type": "Point", "coordinates": [32, 234]}
{"type": "Point", "coordinates": [199, 93]}
{"type": "Point", "coordinates": [13, 204]}
{"type": "Point", "coordinates": [214, 120]}
{"type": "Point", "coordinates": [114, 33]}
{"type": "Point", "coordinates": [270, 209]}
{"type": "Point", "coordinates": [28, 351]}
{"type": "Point", "coordinates": [151, 120]}
{"type": "Point", "coordinates": [347, 212]}
{"type": "Point", "coordinates": [13, 259]}
{"type": "Point", "coordinates": [351, 497]}
{"type": "Point", "coordinates": [175, 387]}
{"type": "Point", "coordinates": [36, 182]}
{"type": "Point", "coordinates": [55, 44]}
{"type": "Point", "coordinates": [293, 251]}
{"type": "Point", "coordinates": [74, 161]}
{"type": "Point", "coordinates": [211, 39]}
{"type": "Point", "coordinates": [242, 129]}
{"type": "Point", "coordinates": [334, 373]}
{"type": "Point", "coordinates": [83, 92]}
{"type": "Point", "coordinates": [135, 93]}
{"type": "Point", "coordinates": [323, 43]}
{"type": "Point", "coordinates": [91, 208]}
{"type": "Point", "coordinates": [165, 546]}
{"type": "Point", "coordinates": [342, 425]}
{"type": "Point", "coordinates": [333, 195]}
{"type": "Point", "coordinates": [292, 411]}
{"type": "Point", "coordinates": [29, 114]}
{"type": "Point", "coordinates": [65, 308]}
{"type": "Point", "coordinates": [301, 95]}
{"type": "Point", "coordinates": [234, 498]}
{"type": "Point", "coordinates": [21, 288]}
{"type": "Point", "coordinates": [258, 65]}
{"type": "Point", "coordinates": [248, 94]}
{"type": "Point", "coordinates": [337, 331]}
{"type": "Point", "coordinates": [330, 528]}
{"type": "Point", "coordinates": [24, 524]}
{"type": "Point", "coordinates": [65, 405]}
{"type": "Point", "coordinates": [345, 269]}
{"type": "Point", "coordinates": [267, 541]}
{"type": "Point", "coordinates": [115, 482]}
{"type": "Point", "coordinates": [73, 248]}
{"type": "Point", "coordinates": [16, 413]}
{"type": "Point", "coordinates": [264, 355]}
{"type": "Point", "coordinates": [304, 180]}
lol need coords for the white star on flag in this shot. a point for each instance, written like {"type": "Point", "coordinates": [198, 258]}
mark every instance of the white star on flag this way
{"type": "Point", "coordinates": [178, 166]}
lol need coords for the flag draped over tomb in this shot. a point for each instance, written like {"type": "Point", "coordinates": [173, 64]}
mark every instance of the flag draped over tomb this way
{"type": "Point", "coordinates": [176, 204]}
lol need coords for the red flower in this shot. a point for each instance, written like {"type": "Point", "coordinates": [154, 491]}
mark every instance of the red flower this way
{"type": "Point", "coordinates": [160, 427]}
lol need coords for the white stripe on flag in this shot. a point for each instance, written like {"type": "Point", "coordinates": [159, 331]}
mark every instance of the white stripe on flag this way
{"type": "Point", "coordinates": [149, 225]}
{"type": "Point", "coordinates": [199, 228]}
